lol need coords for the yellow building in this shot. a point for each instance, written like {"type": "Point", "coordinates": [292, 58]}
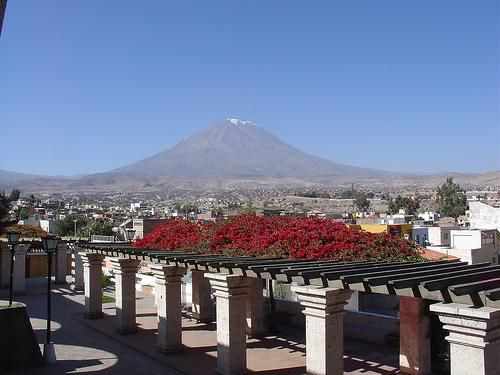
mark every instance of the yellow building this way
{"type": "Point", "coordinates": [400, 230]}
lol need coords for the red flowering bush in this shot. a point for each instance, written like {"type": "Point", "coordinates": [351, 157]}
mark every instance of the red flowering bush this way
{"type": "Point", "coordinates": [176, 234]}
{"type": "Point", "coordinates": [249, 234]}
{"type": "Point", "coordinates": [294, 237]}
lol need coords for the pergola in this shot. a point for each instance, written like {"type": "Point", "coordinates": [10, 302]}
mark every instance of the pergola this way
{"type": "Point", "coordinates": [465, 297]}
{"type": "Point", "coordinates": [445, 280]}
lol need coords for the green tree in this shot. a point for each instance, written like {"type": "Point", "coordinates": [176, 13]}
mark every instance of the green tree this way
{"type": "Point", "coordinates": [23, 213]}
{"type": "Point", "coordinates": [99, 227]}
{"type": "Point", "coordinates": [361, 202]}
{"type": "Point", "coordinates": [347, 194]}
{"type": "Point", "coordinates": [66, 227]}
{"type": "Point", "coordinates": [186, 208]}
{"type": "Point", "coordinates": [5, 206]}
{"type": "Point", "coordinates": [451, 199]}
{"type": "Point", "coordinates": [410, 205]}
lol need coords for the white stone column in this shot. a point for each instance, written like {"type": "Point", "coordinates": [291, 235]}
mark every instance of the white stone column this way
{"type": "Point", "coordinates": [168, 289]}
{"type": "Point", "coordinates": [77, 270]}
{"type": "Point", "coordinates": [231, 293]}
{"type": "Point", "coordinates": [4, 264]}
{"type": "Point", "coordinates": [414, 337]}
{"type": "Point", "coordinates": [92, 272]}
{"type": "Point", "coordinates": [202, 304]}
{"type": "Point", "coordinates": [474, 337]}
{"type": "Point", "coordinates": [353, 302]}
{"type": "Point", "coordinates": [61, 263]}
{"type": "Point", "coordinates": [255, 308]}
{"type": "Point", "coordinates": [124, 271]}
{"type": "Point", "coordinates": [19, 281]}
{"type": "Point", "coordinates": [324, 309]}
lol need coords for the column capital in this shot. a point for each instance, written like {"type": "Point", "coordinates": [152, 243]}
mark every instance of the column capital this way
{"type": "Point", "coordinates": [21, 249]}
{"type": "Point", "coordinates": [62, 244]}
{"type": "Point", "coordinates": [91, 258]}
{"type": "Point", "coordinates": [321, 301]}
{"type": "Point", "coordinates": [227, 285]}
{"type": "Point", "coordinates": [167, 274]}
{"type": "Point", "coordinates": [469, 326]}
{"type": "Point", "coordinates": [122, 265]}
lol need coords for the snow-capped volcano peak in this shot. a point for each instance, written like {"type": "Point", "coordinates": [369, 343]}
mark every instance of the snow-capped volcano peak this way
{"type": "Point", "coordinates": [237, 121]}
{"type": "Point", "coordinates": [234, 147]}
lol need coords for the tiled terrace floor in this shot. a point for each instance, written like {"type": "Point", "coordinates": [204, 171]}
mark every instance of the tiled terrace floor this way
{"type": "Point", "coordinates": [94, 347]}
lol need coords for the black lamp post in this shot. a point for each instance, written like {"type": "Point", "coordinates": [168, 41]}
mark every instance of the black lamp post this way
{"type": "Point", "coordinates": [13, 238]}
{"type": "Point", "coordinates": [130, 234]}
{"type": "Point", "coordinates": [50, 247]}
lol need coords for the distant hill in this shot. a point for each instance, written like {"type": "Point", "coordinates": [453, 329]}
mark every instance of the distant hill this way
{"type": "Point", "coordinates": [236, 148]}
{"type": "Point", "coordinates": [227, 155]}
{"type": "Point", "coordinates": [8, 177]}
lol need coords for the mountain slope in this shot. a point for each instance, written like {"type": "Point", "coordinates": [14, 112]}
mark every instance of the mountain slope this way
{"type": "Point", "coordinates": [236, 148]}
{"type": "Point", "coordinates": [8, 177]}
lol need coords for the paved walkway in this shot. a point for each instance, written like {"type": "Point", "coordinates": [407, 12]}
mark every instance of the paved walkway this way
{"type": "Point", "coordinates": [94, 347]}
{"type": "Point", "coordinates": [81, 350]}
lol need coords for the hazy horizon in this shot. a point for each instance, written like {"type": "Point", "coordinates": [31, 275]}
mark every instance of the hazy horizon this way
{"type": "Point", "coordinates": [87, 87]}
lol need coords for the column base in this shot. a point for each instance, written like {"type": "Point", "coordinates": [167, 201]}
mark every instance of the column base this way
{"type": "Point", "coordinates": [257, 335]}
{"type": "Point", "coordinates": [172, 350]}
{"type": "Point", "coordinates": [204, 320]}
{"type": "Point", "coordinates": [127, 331]}
{"type": "Point", "coordinates": [49, 353]}
{"type": "Point", "coordinates": [94, 316]}
{"type": "Point", "coordinates": [75, 288]}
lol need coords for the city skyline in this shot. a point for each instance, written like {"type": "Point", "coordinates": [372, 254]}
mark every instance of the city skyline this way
{"type": "Point", "coordinates": [397, 87]}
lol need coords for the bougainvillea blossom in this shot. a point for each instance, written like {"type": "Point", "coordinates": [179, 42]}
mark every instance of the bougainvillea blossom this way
{"type": "Point", "coordinates": [295, 237]}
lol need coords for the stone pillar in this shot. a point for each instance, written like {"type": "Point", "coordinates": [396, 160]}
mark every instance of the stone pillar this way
{"type": "Point", "coordinates": [414, 337]}
{"type": "Point", "coordinates": [324, 309]}
{"type": "Point", "coordinates": [124, 271]}
{"type": "Point", "coordinates": [353, 302]}
{"type": "Point", "coordinates": [255, 308]}
{"type": "Point", "coordinates": [231, 293]}
{"type": "Point", "coordinates": [61, 263]}
{"type": "Point", "coordinates": [202, 304]}
{"type": "Point", "coordinates": [19, 281]}
{"type": "Point", "coordinates": [77, 271]}
{"type": "Point", "coordinates": [474, 337]}
{"type": "Point", "coordinates": [92, 272]}
{"type": "Point", "coordinates": [168, 289]}
{"type": "Point", "coordinates": [4, 264]}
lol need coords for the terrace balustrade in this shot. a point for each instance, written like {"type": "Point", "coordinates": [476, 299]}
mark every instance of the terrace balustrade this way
{"type": "Point", "coordinates": [168, 289]}
{"type": "Point", "coordinates": [61, 263]}
{"type": "Point", "coordinates": [19, 282]}
{"type": "Point", "coordinates": [92, 272]}
{"type": "Point", "coordinates": [124, 271]}
{"type": "Point", "coordinates": [202, 306]}
{"type": "Point", "coordinates": [327, 285]}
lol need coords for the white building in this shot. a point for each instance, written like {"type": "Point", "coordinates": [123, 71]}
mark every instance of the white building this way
{"type": "Point", "coordinates": [483, 216]}
{"type": "Point", "coordinates": [134, 207]}
{"type": "Point", "coordinates": [49, 226]}
{"type": "Point", "coordinates": [428, 216]}
{"type": "Point", "coordinates": [472, 245]}
{"type": "Point", "coordinates": [432, 235]}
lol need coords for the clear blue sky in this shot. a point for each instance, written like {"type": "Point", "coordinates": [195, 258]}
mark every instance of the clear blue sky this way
{"type": "Point", "coordinates": [86, 86]}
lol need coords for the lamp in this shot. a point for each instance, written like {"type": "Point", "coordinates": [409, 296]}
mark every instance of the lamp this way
{"type": "Point", "coordinates": [13, 239]}
{"type": "Point", "coordinates": [50, 246]}
{"type": "Point", "coordinates": [130, 234]}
